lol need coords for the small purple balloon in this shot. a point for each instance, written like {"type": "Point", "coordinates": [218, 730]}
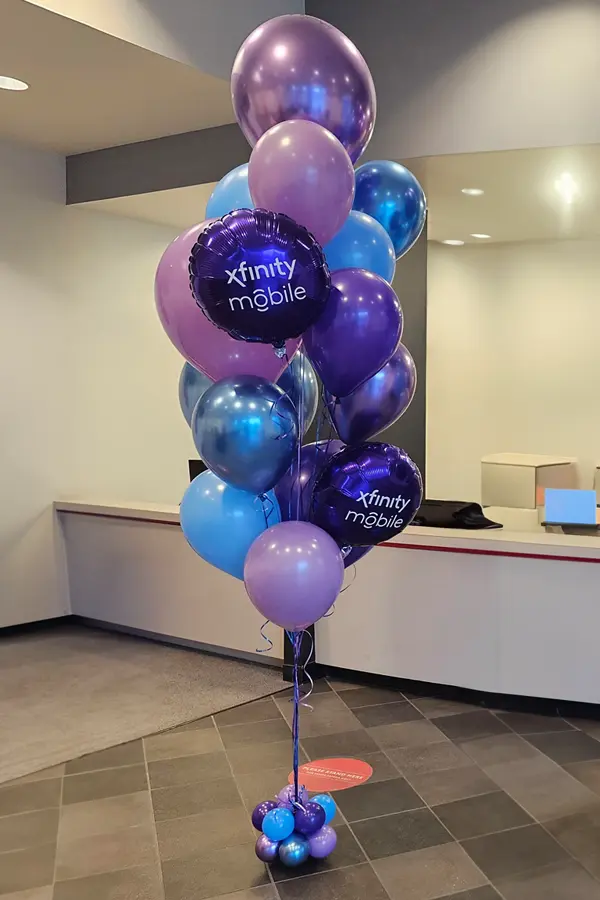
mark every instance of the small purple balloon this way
{"type": "Point", "coordinates": [323, 842]}
{"type": "Point", "coordinates": [286, 796]}
{"type": "Point", "coordinates": [378, 402]}
{"type": "Point", "coordinates": [293, 574]}
{"type": "Point", "coordinates": [366, 494]}
{"type": "Point", "coordinates": [260, 811]}
{"type": "Point", "coordinates": [309, 818]}
{"type": "Point", "coordinates": [298, 485]}
{"type": "Point", "coordinates": [299, 67]}
{"type": "Point", "coordinates": [300, 169]}
{"type": "Point", "coordinates": [266, 849]}
{"type": "Point", "coordinates": [357, 333]}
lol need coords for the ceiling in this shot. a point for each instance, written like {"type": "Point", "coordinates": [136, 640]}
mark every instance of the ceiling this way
{"type": "Point", "coordinates": [524, 196]}
{"type": "Point", "coordinates": [89, 90]}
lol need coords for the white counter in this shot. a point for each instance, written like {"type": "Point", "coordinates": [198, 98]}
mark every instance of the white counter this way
{"type": "Point", "coordinates": [514, 613]}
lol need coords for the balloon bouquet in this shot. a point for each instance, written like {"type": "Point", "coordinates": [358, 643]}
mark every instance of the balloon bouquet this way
{"type": "Point", "coordinates": [298, 248]}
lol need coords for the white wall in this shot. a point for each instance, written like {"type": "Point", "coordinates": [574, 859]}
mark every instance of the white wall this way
{"type": "Point", "coordinates": [513, 357]}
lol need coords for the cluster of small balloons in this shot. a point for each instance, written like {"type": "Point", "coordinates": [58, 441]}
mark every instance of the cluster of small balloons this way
{"type": "Point", "coordinates": [298, 250]}
{"type": "Point", "coordinates": [292, 830]}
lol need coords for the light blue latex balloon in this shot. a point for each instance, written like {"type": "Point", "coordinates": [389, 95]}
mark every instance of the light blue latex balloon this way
{"type": "Point", "coordinates": [220, 523]}
{"type": "Point", "coordinates": [232, 192]}
{"type": "Point", "coordinates": [362, 243]}
{"type": "Point", "coordinates": [278, 824]}
{"type": "Point", "coordinates": [301, 377]}
{"type": "Point", "coordinates": [328, 804]}
{"type": "Point", "coordinates": [192, 385]}
{"type": "Point", "coordinates": [246, 430]}
{"type": "Point", "coordinates": [390, 193]}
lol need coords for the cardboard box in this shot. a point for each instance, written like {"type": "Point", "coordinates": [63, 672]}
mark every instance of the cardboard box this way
{"type": "Point", "coordinates": [518, 480]}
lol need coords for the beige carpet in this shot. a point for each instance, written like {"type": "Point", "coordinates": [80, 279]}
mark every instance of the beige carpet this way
{"type": "Point", "coordinates": [73, 690]}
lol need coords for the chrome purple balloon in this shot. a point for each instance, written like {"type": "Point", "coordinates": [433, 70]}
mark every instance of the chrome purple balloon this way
{"type": "Point", "coordinates": [299, 67]}
{"type": "Point", "coordinates": [294, 490]}
{"type": "Point", "coordinates": [259, 275]}
{"type": "Point", "coordinates": [286, 796]}
{"type": "Point", "coordinates": [293, 574]}
{"type": "Point", "coordinates": [266, 849]}
{"type": "Point", "coordinates": [323, 842]}
{"type": "Point", "coordinates": [366, 494]}
{"type": "Point", "coordinates": [260, 811]}
{"type": "Point", "coordinates": [378, 402]}
{"type": "Point", "coordinates": [357, 333]}
{"type": "Point", "coordinates": [309, 818]}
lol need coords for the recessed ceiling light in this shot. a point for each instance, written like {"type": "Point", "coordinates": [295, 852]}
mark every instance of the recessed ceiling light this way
{"type": "Point", "coordinates": [481, 237]}
{"type": "Point", "coordinates": [472, 192]}
{"type": "Point", "coordinates": [453, 243]}
{"type": "Point", "coordinates": [12, 84]}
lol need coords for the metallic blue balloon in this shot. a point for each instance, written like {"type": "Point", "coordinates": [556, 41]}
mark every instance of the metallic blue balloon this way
{"type": "Point", "coordinates": [246, 430]}
{"type": "Point", "coordinates": [367, 494]}
{"type": "Point", "coordinates": [192, 385]}
{"type": "Point", "coordinates": [378, 402]}
{"type": "Point", "coordinates": [259, 275]}
{"type": "Point", "coordinates": [294, 851]}
{"type": "Point", "coordinates": [221, 522]}
{"type": "Point", "coordinates": [232, 192]}
{"type": "Point", "coordinates": [388, 192]}
{"type": "Point", "coordinates": [300, 380]}
{"type": "Point", "coordinates": [362, 243]}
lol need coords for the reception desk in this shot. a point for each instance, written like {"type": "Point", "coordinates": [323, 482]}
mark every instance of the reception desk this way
{"type": "Point", "coordinates": [515, 613]}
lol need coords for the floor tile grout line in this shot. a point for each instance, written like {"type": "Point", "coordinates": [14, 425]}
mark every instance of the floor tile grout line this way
{"type": "Point", "coordinates": [154, 823]}
{"type": "Point", "coordinates": [60, 809]}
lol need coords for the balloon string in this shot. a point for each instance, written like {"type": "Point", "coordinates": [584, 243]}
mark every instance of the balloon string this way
{"type": "Point", "coordinates": [300, 436]}
{"type": "Point", "coordinates": [265, 638]}
{"type": "Point", "coordinates": [296, 639]}
{"type": "Point", "coordinates": [267, 505]}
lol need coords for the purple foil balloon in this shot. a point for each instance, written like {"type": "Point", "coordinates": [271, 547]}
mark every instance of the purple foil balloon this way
{"type": "Point", "coordinates": [312, 459]}
{"type": "Point", "coordinates": [266, 849]}
{"type": "Point", "coordinates": [309, 818]}
{"type": "Point", "coordinates": [299, 67]}
{"type": "Point", "coordinates": [293, 574]}
{"type": "Point", "coordinates": [206, 347]}
{"type": "Point", "coordinates": [286, 797]}
{"type": "Point", "coordinates": [365, 495]}
{"type": "Point", "coordinates": [355, 554]}
{"type": "Point", "coordinates": [260, 811]}
{"type": "Point", "coordinates": [378, 402]}
{"type": "Point", "coordinates": [323, 842]}
{"type": "Point", "coordinates": [300, 169]}
{"type": "Point", "coordinates": [357, 333]}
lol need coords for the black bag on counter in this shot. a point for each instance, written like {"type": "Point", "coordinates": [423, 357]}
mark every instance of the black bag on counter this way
{"type": "Point", "coordinates": [452, 514]}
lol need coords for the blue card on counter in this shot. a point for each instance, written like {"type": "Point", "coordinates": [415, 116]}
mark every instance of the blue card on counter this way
{"type": "Point", "coordinates": [570, 507]}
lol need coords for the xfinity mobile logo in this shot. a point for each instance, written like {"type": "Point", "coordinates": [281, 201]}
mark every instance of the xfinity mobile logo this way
{"type": "Point", "coordinates": [383, 520]}
{"type": "Point", "coordinates": [261, 298]}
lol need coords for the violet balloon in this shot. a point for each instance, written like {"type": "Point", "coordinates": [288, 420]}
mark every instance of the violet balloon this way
{"type": "Point", "coordinates": [301, 169]}
{"type": "Point", "coordinates": [294, 490]}
{"type": "Point", "coordinates": [266, 849]}
{"type": "Point", "coordinates": [299, 67]}
{"type": "Point", "coordinates": [357, 333]}
{"type": "Point", "coordinates": [206, 347]}
{"type": "Point", "coordinates": [323, 842]}
{"type": "Point", "coordinates": [365, 494]}
{"type": "Point", "coordinates": [293, 574]}
{"type": "Point", "coordinates": [259, 275]}
{"type": "Point", "coordinates": [378, 402]}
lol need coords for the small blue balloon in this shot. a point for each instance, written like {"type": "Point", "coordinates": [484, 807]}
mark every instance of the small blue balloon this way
{"type": "Point", "coordinates": [192, 385]}
{"type": "Point", "coordinates": [388, 192]}
{"type": "Point", "coordinates": [221, 522]}
{"type": "Point", "coordinates": [328, 804]}
{"type": "Point", "coordinates": [294, 850]}
{"type": "Point", "coordinates": [300, 380]}
{"type": "Point", "coordinates": [246, 430]}
{"type": "Point", "coordinates": [232, 192]}
{"type": "Point", "coordinates": [278, 824]}
{"type": "Point", "coordinates": [362, 243]}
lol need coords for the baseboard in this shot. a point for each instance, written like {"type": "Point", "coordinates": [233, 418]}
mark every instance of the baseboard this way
{"type": "Point", "coordinates": [32, 627]}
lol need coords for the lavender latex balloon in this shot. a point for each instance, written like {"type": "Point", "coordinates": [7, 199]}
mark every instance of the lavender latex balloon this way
{"type": "Point", "coordinates": [294, 490]}
{"type": "Point", "coordinates": [206, 347]}
{"type": "Point", "coordinates": [357, 333]}
{"type": "Point", "coordinates": [301, 169]}
{"type": "Point", "coordinates": [260, 811]}
{"type": "Point", "coordinates": [293, 574]}
{"type": "Point", "coordinates": [299, 67]}
{"type": "Point", "coordinates": [266, 849]}
{"type": "Point", "coordinates": [378, 402]}
{"type": "Point", "coordinates": [287, 797]}
{"type": "Point", "coordinates": [323, 842]}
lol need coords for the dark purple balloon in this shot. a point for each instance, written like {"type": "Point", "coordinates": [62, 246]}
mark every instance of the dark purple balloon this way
{"type": "Point", "coordinates": [299, 67]}
{"type": "Point", "coordinates": [378, 402]}
{"type": "Point", "coordinates": [357, 333]}
{"type": "Point", "coordinates": [313, 457]}
{"type": "Point", "coordinates": [309, 818]}
{"type": "Point", "coordinates": [260, 811]}
{"type": "Point", "coordinates": [259, 275]}
{"type": "Point", "coordinates": [266, 849]}
{"type": "Point", "coordinates": [367, 494]}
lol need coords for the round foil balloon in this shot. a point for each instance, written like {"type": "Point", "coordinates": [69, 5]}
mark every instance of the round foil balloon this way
{"type": "Point", "coordinates": [259, 275]}
{"type": "Point", "coordinates": [388, 192]}
{"type": "Point", "coordinates": [299, 67]}
{"type": "Point", "coordinates": [365, 495]}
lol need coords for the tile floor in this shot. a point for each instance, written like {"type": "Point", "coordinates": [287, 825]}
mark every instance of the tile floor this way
{"type": "Point", "coordinates": [463, 803]}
